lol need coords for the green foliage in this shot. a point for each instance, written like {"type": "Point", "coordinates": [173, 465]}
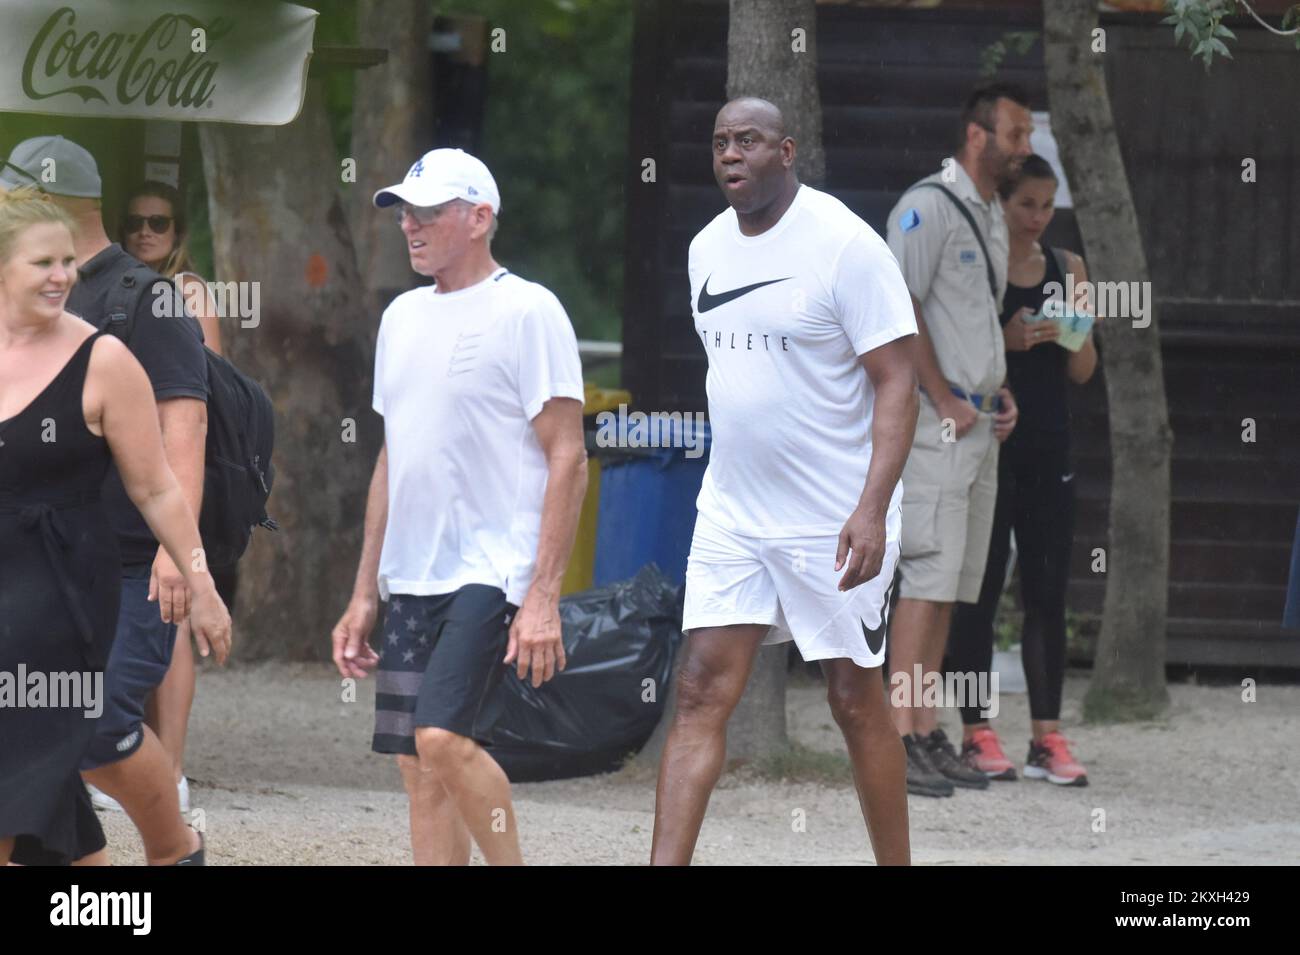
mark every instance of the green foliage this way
{"type": "Point", "coordinates": [556, 139]}
{"type": "Point", "coordinates": [1200, 22]}
{"type": "Point", "coordinates": [337, 26]}
{"type": "Point", "coordinates": [1019, 42]}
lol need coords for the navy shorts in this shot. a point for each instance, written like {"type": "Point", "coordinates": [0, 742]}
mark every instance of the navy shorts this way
{"type": "Point", "coordinates": [28, 850]}
{"type": "Point", "coordinates": [440, 658]}
{"type": "Point", "coordinates": [141, 654]}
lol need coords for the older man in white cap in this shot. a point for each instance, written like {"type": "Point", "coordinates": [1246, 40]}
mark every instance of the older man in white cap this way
{"type": "Point", "coordinates": [472, 508]}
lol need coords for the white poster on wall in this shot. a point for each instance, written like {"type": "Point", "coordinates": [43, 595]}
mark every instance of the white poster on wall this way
{"type": "Point", "coordinates": [1043, 142]}
{"type": "Point", "coordinates": [240, 61]}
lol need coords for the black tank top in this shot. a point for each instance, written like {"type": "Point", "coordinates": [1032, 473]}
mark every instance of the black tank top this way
{"type": "Point", "coordinates": [49, 455]}
{"type": "Point", "coordinates": [59, 564]}
{"type": "Point", "coordinates": [1038, 377]}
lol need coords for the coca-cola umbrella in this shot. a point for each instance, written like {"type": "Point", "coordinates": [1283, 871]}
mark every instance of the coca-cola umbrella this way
{"type": "Point", "coordinates": [198, 60]}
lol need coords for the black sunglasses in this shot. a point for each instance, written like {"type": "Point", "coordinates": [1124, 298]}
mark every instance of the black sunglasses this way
{"type": "Point", "coordinates": [157, 224]}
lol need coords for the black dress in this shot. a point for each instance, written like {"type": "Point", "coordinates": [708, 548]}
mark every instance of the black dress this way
{"type": "Point", "coordinates": [59, 591]}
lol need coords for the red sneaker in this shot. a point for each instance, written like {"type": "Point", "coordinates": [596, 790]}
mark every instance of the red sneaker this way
{"type": "Point", "coordinates": [983, 752]}
{"type": "Point", "coordinates": [1051, 760]}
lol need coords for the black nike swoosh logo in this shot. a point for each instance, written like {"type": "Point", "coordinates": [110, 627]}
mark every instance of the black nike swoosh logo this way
{"type": "Point", "coordinates": [707, 301]}
{"type": "Point", "coordinates": [876, 638]}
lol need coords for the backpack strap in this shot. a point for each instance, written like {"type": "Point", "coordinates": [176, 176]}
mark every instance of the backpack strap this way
{"type": "Point", "coordinates": [970, 220]}
{"type": "Point", "coordinates": [124, 300]}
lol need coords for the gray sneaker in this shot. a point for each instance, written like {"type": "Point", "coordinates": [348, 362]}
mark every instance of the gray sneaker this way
{"type": "Point", "coordinates": [922, 778]}
{"type": "Point", "coordinates": [945, 760]}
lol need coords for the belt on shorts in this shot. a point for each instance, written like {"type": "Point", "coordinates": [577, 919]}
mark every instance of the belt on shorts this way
{"type": "Point", "coordinates": [43, 517]}
{"type": "Point", "coordinates": [985, 403]}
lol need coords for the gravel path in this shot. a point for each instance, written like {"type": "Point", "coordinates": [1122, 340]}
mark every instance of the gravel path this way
{"type": "Point", "coordinates": [283, 774]}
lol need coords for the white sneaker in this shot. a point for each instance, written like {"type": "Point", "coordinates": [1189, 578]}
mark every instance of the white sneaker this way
{"type": "Point", "coordinates": [102, 800]}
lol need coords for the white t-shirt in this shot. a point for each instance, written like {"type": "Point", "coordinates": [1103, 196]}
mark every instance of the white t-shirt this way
{"type": "Point", "coordinates": [790, 406]}
{"type": "Point", "coordinates": [459, 376]}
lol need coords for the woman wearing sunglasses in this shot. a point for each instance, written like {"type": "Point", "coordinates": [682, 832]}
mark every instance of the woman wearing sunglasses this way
{"type": "Point", "coordinates": [153, 230]}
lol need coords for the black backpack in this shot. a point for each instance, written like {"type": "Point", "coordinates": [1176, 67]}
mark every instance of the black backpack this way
{"type": "Point", "coordinates": [238, 473]}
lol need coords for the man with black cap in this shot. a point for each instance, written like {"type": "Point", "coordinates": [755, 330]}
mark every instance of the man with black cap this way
{"type": "Point", "coordinates": [472, 508]}
{"type": "Point", "coordinates": [126, 760]}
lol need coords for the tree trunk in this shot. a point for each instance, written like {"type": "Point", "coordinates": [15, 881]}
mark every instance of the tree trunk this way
{"type": "Point", "coordinates": [767, 58]}
{"type": "Point", "coordinates": [392, 126]}
{"type": "Point", "coordinates": [1128, 679]}
{"type": "Point", "coordinates": [278, 220]}
{"type": "Point", "coordinates": [762, 61]}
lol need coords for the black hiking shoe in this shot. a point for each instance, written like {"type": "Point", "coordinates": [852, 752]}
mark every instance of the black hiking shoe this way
{"type": "Point", "coordinates": [922, 778]}
{"type": "Point", "coordinates": [945, 759]}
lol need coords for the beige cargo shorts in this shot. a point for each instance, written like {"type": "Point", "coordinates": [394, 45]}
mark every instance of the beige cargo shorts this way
{"type": "Point", "coordinates": [949, 491]}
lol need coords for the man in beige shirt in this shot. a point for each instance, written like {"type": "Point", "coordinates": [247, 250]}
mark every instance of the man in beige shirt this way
{"type": "Point", "coordinates": [952, 249]}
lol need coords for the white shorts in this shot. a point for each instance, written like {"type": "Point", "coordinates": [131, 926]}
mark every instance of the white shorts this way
{"type": "Point", "coordinates": [791, 585]}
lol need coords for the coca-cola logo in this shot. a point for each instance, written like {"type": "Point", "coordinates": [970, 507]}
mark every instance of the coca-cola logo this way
{"type": "Point", "coordinates": [63, 61]}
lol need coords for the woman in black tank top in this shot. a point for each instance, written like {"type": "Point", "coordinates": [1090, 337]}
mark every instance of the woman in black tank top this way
{"type": "Point", "coordinates": [70, 398]}
{"type": "Point", "coordinates": [1035, 491]}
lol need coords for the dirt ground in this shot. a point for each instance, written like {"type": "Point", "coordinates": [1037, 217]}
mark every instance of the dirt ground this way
{"type": "Point", "coordinates": [283, 774]}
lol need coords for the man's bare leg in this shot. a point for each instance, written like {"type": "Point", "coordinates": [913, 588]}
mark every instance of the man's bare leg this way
{"type": "Point", "coordinates": [478, 787]}
{"type": "Point", "coordinates": [169, 706]}
{"type": "Point", "coordinates": [143, 783]}
{"type": "Point", "coordinates": [6, 849]}
{"type": "Point", "coordinates": [915, 628]}
{"type": "Point", "coordinates": [858, 703]}
{"type": "Point", "coordinates": [438, 834]}
{"type": "Point", "coordinates": [710, 682]}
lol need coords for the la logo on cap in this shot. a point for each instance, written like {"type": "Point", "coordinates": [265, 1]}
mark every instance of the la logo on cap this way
{"type": "Point", "coordinates": [416, 170]}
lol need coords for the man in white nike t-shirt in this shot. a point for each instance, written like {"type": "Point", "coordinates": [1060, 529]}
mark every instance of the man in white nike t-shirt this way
{"type": "Point", "coordinates": [472, 510]}
{"type": "Point", "coordinates": [807, 325]}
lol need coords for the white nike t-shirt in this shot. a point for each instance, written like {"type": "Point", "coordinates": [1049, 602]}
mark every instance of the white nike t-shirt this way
{"type": "Point", "coordinates": [783, 317]}
{"type": "Point", "coordinates": [458, 378]}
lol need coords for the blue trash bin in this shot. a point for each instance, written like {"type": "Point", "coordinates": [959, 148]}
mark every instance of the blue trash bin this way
{"type": "Point", "coordinates": [647, 507]}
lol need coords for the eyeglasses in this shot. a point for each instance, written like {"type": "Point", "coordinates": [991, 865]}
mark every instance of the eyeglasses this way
{"type": "Point", "coordinates": [158, 225]}
{"type": "Point", "coordinates": [424, 215]}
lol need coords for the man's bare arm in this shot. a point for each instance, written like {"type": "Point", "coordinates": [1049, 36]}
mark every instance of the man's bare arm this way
{"type": "Point", "coordinates": [536, 641]}
{"type": "Point", "coordinates": [353, 656]}
{"type": "Point", "coordinates": [894, 379]}
{"type": "Point", "coordinates": [861, 547]}
{"type": "Point", "coordinates": [184, 423]}
{"type": "Point", "coordinates": [928, 372]}
{"type": "Point", "coordinates": [559, 431]}
{"type": "Point", "coordinates": [932, 380]}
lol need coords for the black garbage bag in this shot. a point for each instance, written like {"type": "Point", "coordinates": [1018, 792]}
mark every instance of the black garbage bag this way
{"type": "Point", "coordinates": [600, 710]}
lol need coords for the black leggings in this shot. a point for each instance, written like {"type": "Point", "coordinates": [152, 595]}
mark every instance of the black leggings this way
{"type": "Point", "coordinates": [1035, 501]}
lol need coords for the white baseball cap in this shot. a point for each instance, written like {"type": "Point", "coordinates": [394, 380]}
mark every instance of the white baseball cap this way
{"type": "Point", "coordinates": [440, 176]}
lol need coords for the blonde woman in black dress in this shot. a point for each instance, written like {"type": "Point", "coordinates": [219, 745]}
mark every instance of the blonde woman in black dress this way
{"type": "Point", "coordinates": [71, 399]}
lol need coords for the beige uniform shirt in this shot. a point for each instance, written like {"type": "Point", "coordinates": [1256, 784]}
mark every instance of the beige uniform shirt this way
{"type": "Point", "coordinates": [944, 269]}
